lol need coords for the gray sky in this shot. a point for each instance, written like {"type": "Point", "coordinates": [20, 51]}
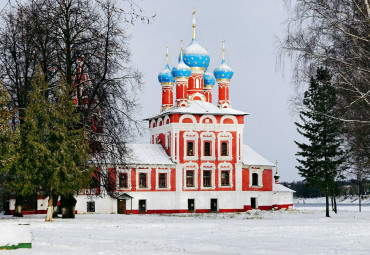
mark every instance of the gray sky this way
{"type": "Point", "coordinates": [250, 29]}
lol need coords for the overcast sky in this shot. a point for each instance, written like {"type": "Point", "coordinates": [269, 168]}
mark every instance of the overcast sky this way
{"type": "Point", "coordinates": [250, 29]}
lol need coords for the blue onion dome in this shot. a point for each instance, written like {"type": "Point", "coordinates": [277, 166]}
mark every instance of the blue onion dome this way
{"type": "Point", "coordinates": [196, 56]}
{"type": "Point", "coordinates": [166, 76]}
{"type": "Point", "coordinates": [208, 78]}
{"type": "Point", "coordinates": [223, 71]}
{"type": "Point", "coordinates": [181, 70]}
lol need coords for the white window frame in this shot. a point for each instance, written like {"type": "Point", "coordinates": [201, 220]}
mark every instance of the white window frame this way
{"type": "Point", "coordinates": [225, 167]}
{"type": "Point", "coordinates": [225, 137]}
{"type": "Point", "coordinates": [259, 171]}
{"type": "Point", "coordinates": [191, 166]}
{"type": "Point", "coordinates": [147, 171]}
{"type": "Point", "coordinates": [191, 137]}
{"type": "Point", "coordinates": [208, 137]}
{"type": "Point", "coordinates": [166, 171]}
{"type": "Point", "coordinates": [124, 171]}
{"type": "Point", "coordinates": [208, 167]}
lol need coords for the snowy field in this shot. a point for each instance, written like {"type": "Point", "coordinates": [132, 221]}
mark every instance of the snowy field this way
{"type": "Point", "coordinates": [304, 230]}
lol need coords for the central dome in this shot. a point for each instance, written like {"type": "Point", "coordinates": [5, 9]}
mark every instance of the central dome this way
{"type": "Point", "coordinates": [196, 56]}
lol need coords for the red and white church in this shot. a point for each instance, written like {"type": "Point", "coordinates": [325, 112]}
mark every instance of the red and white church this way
{"type": "Point", "coordinates": [196, 160]}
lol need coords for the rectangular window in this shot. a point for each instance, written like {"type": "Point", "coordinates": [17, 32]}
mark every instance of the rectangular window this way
{"type": "Point", "coordinates": [224, 151]}
{"type": "Point", "coordinates": [225, 178]}
{"type": "Point", "coordinates": [142, 180]}
{"type": "Point", "coordinates": [207, 178]}
{"type": "Point", "coordinates": [190, 149]}
{"type": "Point", "coordinates": [189, 178]}
{"type": "Point", "coordinates": [207, 149]}
{"type": "Point", "coordinates": [123, 180]}
{"type": "Point", "coordinates": [91, 206]}
{"type": "Point", "coordinates": [162, 180]}
{"type": "Point", "coordinates": [254, 179]}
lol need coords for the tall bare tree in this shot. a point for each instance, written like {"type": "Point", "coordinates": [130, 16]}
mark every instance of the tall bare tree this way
{"type": "Point", "coordinates": [336, 34]}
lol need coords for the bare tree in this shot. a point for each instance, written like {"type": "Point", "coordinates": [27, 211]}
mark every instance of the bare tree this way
{"type": "Point", "coordinates": [336, 34]}
{"type": "Point", "coordinates": [85, 42]}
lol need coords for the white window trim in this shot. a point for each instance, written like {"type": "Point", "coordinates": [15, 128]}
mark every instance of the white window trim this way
{"type": "Point", "coordinates": [208, 167]}
{"type": "Point", "coordinates": [191, 137]}
{"type": "Point", "coordinates": [258, 171]}
{"type": "Point", "coordinates": [168, 178]}
{"type": "Point", "coordinates": [124, 171]}
{"type": "Point", "coordinates": [146, 171]}
{"type": "Point", "coordinates": [225, 167]}
{"type": "Point", "coordinates": [208, 137]}
{"type": "Point", "coordinates": [191, 166]}
{"type": "Point", "coordinates": [225, 137]}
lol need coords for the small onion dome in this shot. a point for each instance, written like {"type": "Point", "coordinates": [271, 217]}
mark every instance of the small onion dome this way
{"type": "Point", "coordinates": [181, 70]}
{"type": "Point", "coordinates": [165, 76]}
{"type": "Point", "coordinates": [223, 71]}
{"type": "Point", "coordinates": [196, 56]}
{"type": "Point", "coordinates": [208, 78]}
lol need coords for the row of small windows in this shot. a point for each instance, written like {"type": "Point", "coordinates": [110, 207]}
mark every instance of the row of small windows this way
{"type": "Point", "coordinates": [207, 149]}
{"type": "Point", "coordinates": [123, 180]}
{"type": "Point", "coordinates": [207, 178]}
{"type": "Point", "coordinates": [162, 179]}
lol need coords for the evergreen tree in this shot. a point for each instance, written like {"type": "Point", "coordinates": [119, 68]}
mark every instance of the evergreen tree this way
{"type": "Point", "coordinates": [321, 157]}
{"type": "Point", "coordinates": [55, 144]}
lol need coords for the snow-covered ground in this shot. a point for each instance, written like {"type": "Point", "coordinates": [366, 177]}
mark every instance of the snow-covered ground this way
{"type": "Point", "coordinates": [300, 231]}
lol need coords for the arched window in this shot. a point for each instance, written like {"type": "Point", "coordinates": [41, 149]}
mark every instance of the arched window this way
{"type": "Point", "coordinates": [207, 178]}
{"type": "Point", "coordinates": [190, 149]}
{"type": "Point", "coordinates": [225, 178]}
{"type": "Point", "coordinates": [254, 179]}
{"type": "Point", "coordinates": [207, 149]}
{"type": "Point", "coordinates": [224, 149]}
{"type": "Point", "coordinates": [142, 180]}
{"type": "Point", "coordinates": [162, 181]}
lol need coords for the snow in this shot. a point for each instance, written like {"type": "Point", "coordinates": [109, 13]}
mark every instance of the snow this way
{"type": "Point", "coordinates": [300, 231]}
{"type": "Point", "coordinates": [13, 233]}
{"type": "Point", "coordinates": [252, 158]}
{"type": "Point", "coordinates": [280, 188]}
{"type": "Point", "coordinates": [195, 48]}
{"type": "Point", "coordinates": [199, 107]}
{"type": "Point", "coordinates": [147, 154]}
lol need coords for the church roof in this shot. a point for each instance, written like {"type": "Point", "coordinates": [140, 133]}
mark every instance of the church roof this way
{"type": "Point", "coordinates": [280, 188]}
{"type": "Point", "coordinates": [199, 107]}
{"type": "Point", "coordinates": [252, 158]}
{"type": "Point", "coordinates": [148, 154]}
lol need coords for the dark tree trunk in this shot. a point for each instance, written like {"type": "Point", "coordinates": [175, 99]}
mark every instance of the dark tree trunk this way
{"type": "Point", "coordinates": [327, 201]}
{"type": "Point", "coordinates": [335, 204]}
{"type": "Point", "coordinates": [68, 204]}
{"type": "Point", "coordinates": [55, 206]}
{"type": "Point", "coordinates": [18, 206]}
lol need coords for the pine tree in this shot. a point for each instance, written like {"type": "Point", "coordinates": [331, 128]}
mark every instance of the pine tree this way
{"type": "Point", "coordinates": [322, 157]}
{"type": "Point", "coordinates": [55, 145]}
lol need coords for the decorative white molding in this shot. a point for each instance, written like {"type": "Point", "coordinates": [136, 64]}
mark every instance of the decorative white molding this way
{"type": "Point", "coordinates": [225, 137]}
{"type": "Point", "coordinates": [208, 167]}
{"type": "Point", "coordinates": [208, 137]}
{"type": "Point", "coordinates": [192, 166]}
{"type": "Point", "coordinates": [259, 171]}
{"type": "Point", "coordinates": [124, 171]}
{"type": "Point", "coordinates": [225, 166]}
{"type": "Point", "coordinates": [191, 137]}
{"type": "Point", "coordinates": [232, 117]}
{"type": "Point", "coordinates": [166, 171]}
{"type": "Point", "coordinates": [147, 171]}
{"type": "Point", "coordinates": [212, 117]}
{"type": "Point", "coordinates": [188, 116]}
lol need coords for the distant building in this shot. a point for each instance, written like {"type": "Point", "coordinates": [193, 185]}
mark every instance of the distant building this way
{"type": "Point", "coordinates": [196, 160]}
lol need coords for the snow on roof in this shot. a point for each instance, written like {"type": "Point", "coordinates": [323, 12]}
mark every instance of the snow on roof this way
{"type": "Point", "coordinates": [280, 188]}
{"type": "Point", "coordinates": [199, 107]}
{"type": "Point", "coordinates": [252, 158]}
{"type": "Point", "coordinates": [148, 154]}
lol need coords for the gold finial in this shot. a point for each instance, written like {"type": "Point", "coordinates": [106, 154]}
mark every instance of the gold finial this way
{"type": "Point", "coordinates": [223, 49]}
{"type": "Point", "coordinates": [166, 54]}
{"type": "Point", "coordinates": [276, 163]}
{"type": "Point", "coordinates": [194, 25]}
{"type": "Point", "coordinates": [181, 41]}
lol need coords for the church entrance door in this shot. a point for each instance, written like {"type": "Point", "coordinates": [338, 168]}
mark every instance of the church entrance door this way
{"type": "Point", "coordinates": [122, 206]}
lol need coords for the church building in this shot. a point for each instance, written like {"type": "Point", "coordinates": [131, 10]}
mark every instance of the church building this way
{"type": "Point", "coordinates": [196, 160]}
